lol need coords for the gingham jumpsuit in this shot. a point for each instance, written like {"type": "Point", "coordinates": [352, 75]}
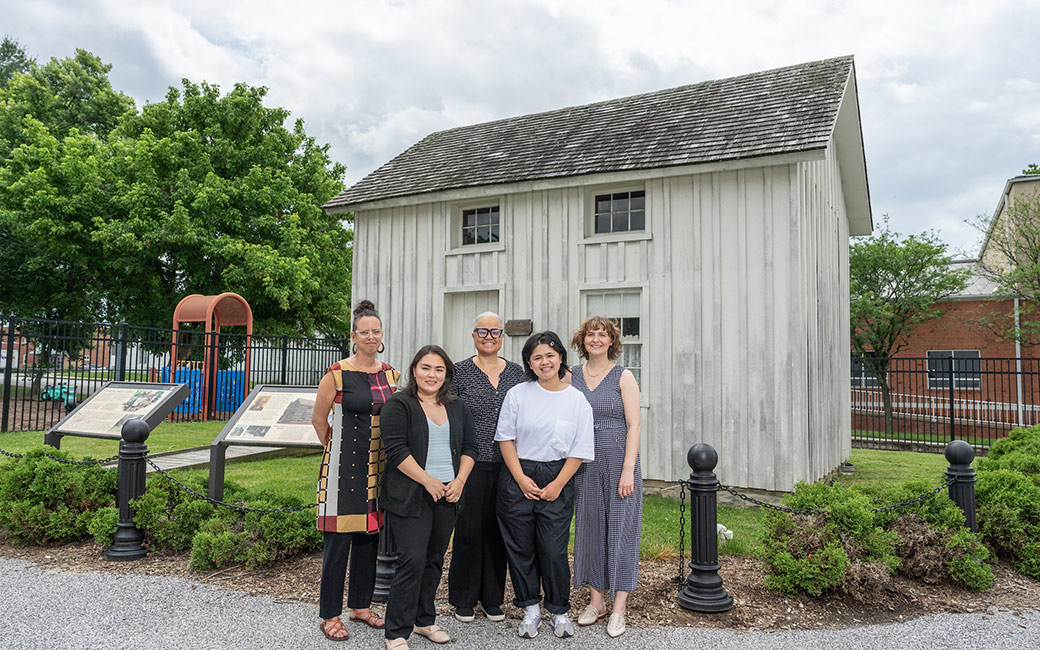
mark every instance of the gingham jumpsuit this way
{"type": "Point", "coordinates": [607, 528]}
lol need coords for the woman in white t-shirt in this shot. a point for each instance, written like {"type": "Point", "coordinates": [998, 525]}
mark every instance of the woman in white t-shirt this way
{"type": "Point", "coordinates": [545, 433]}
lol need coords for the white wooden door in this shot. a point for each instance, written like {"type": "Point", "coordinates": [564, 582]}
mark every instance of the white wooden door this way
{"type": "Point", "coordinates": [460, 310]}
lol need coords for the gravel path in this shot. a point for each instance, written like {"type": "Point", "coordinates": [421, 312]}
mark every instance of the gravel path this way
{"type": "Point", "coordinates": [69, 610]}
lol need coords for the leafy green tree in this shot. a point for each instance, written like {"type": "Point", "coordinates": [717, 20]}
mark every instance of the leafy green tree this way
{"type": "Point", "coordinates": [895, 284]}
{"type": "Point", "coordinates": [1032, 168]}
{"type": "Point", "coordinates": [13, 60]}
{"type": "Point", "coordinates": [1011, 259]}
{"type": "Point", "coordinates": [63, 94]}
{"type": "Point", "coordinates": [212, 193]}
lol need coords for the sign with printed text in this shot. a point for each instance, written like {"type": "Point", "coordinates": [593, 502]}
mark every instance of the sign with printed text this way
{"type": "Point", "coordinates": [275, 416]}
{"type": "Point", "coordinates": [103, 414]}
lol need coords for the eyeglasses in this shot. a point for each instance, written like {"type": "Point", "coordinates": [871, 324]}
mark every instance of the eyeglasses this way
{"type": "Point", "coordinates": [366, 333]}
{"type": "Point", "coordinates": [484, 332]}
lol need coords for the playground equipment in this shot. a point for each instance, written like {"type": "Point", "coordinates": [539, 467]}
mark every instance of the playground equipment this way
{"type": "Point", "coordinates": [212, 389]}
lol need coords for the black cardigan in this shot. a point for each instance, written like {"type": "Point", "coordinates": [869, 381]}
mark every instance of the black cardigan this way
{"type": "Point", "coordinates": [403, 428]}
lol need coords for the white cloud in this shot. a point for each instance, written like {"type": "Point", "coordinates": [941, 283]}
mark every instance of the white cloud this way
{"type": "Point", "coordinates": [947, 93]}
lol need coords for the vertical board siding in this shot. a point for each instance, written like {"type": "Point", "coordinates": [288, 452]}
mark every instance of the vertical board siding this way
{"type": "Point", "coordinates": [744, 285]}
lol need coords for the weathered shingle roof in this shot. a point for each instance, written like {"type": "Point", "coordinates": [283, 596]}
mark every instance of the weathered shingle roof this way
{"type": "Point", "coordinates": [778, 111]}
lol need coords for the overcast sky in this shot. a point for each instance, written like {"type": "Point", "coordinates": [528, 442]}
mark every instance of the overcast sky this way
{"type": "Point", "coordinates": [949, 91]}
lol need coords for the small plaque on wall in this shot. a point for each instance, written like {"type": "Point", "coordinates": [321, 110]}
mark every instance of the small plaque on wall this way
{"type": "Point", "coordinates": [519, 327]}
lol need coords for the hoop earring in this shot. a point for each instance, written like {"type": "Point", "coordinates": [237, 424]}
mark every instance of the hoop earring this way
{"type": "Point", "coordinates": [382, 346]}
{"type": "Point", "coordinates": [353, 349]}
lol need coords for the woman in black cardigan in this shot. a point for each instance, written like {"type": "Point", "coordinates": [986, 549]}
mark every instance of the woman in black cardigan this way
{"type": "Point", "coordinates": [430, 446]}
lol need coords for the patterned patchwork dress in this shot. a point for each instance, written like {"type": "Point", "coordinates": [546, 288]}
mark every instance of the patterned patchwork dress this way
{"type": "Point", "coordinates": [353, 462]}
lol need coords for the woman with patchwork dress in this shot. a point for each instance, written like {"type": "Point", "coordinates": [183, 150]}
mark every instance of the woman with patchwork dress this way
{"type": "Point", "coordinates": [346, 419]}
{"type": "Point", "coordinates": [609, 490]}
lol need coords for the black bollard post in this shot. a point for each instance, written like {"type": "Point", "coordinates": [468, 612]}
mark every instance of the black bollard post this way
{"type": "Point", "coordinates": [960, 455]}
{"type": "Point", "coordinates": [132, 452]}
{"type": "Point", "coordinates": [386, 564]}
{"type": "Point", "coordinates": [703, 590]}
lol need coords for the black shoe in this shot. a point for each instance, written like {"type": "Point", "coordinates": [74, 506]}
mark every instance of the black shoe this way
{"type": "Point", "coordinates": [493, 613]}
{"type": "Point", "coordinates": [464, 614]}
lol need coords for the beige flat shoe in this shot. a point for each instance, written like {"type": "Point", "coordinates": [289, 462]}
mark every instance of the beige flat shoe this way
{"type": "Point", "coordinates": [591, 615]}
{"type": "Point", "coordinates": [433, 632]}
{"type": "Point", "coordinates": [397, 644]}
{"type": "Point", "coordinates": [615, 625]}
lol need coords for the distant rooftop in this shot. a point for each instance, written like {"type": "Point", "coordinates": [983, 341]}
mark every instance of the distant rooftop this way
{"type": "Point", "coordinates": [779, 111]}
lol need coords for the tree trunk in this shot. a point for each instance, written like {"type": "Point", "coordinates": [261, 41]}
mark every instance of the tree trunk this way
{"type": "Point", "coordinates": [886, 396]}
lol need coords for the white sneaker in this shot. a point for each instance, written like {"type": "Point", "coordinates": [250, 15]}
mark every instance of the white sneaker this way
{"type": "Point", "coordinates": [591, 615]}
{"type": "Point", "coordinates": [528, 628]}
{"type": "Point", "coordinates": [562, 626]}
{"type": "Point", "coordinates": [615, 625]}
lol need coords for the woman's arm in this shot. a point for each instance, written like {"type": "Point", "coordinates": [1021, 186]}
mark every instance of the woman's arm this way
{"type": "Point", "coordinates": [453, 491]}
{"type": "Point", "coordinates": [630, 400]}
{"type": "Point", "coordinates": [512, 461]}
{"type": "Point", "coordinates": [322, 405]}
{"type": "Point", "coordinates": [410, 468]}
{"type": "Point", "coordinates": [555, 486]}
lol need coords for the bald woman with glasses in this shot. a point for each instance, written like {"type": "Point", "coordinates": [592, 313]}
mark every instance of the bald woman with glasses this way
{"type": "Point", "coordinates": [481, 382]}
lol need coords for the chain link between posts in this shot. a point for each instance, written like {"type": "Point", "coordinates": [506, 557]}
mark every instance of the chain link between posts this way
{"type": "Point", "coordinates": [220, 504]}
{"type": "Point", "coordinates": [683, 485]}
{"type": "Point", "coordinates": [67, 461]}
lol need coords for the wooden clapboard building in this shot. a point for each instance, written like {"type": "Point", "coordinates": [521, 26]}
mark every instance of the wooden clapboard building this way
{"type": "Point", "coordinates": [712, 220]}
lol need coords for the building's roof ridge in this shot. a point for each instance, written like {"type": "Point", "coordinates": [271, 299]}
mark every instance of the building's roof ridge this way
{"type": "Point", "coordinates": [782, 110]}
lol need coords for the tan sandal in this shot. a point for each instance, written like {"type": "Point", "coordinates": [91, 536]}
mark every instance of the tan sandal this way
{"type": "Point", "coordinates": [330, 627]}
{"type": "Point", "coordinates": [368, 617]}
{"type": "Point", "coordinates": [433, 632]}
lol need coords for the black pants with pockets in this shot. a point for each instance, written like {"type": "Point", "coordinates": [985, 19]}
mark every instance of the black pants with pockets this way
{"type": "Point", "coordinates": [478, 566]}
{"type": "Point", "coordinates": [421, 543]}
{"type": "Point", "coordinates": [336, 548]}
{"type": "Point", "coordinates": [536, 534]}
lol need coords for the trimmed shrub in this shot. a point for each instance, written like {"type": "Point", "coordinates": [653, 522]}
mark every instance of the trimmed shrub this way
{"type": "Point", "coordinates": [856, 551]}
{"type": "Point", "coordinates": [43, 500]}
{"type": "Point", "coordinates": [170, 517]}
{"type": "Point", "coordinates": [103, 525]}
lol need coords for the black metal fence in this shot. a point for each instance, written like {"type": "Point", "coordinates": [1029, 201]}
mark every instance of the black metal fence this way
{"type": "Point", "coordinates": [943, 397]}
{"type": "Point", "coordinates": [47, 364]}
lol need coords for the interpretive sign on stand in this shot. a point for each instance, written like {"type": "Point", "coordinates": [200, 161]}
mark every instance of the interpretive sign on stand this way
{"type": "Point", "coordinates": [103, 413]}
{"type": "Point", "coordinates": [270, 416]}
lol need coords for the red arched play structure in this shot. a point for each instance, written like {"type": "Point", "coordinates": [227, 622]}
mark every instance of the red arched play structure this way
{"type": "Point", "coordinates": [224, 310]}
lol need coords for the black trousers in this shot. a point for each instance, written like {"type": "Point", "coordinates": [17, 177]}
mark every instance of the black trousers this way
{"type": "Point", "coordinates": [334, 570]}
{"type": "Point", "coordinates": [478, 556]}
{"type": "Point", "coordinates": [421, 543]}
{"type": "Point", "coordinates": [536, 533]}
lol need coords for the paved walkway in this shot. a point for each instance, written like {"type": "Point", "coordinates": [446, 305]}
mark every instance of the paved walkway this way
{"type": "Point", "coordinates": [47, 609]}
{"type": "Point", "coordinates": [198, 457]}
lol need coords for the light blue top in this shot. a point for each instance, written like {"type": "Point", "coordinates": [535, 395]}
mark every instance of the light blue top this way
{"type": "Point", "coordinates": [438, 454]}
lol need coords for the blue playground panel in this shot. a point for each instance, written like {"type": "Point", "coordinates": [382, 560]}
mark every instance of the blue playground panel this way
{"type": "Point", "coordinates": [230, 391]}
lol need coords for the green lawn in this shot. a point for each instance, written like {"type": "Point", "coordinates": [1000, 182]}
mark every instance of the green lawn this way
{"type": "Point", "coordinates": [874, 465]}
{"type": "Point", "coordinates": [166, 437]}
{"type": "Point", "coordinates": [291, 476]}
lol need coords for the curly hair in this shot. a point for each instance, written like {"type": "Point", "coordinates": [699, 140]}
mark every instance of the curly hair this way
{"type": "Point", "coordinates": [598, 323]}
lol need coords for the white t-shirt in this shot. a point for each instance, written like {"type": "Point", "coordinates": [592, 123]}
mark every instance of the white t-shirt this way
{"type": "Point", "coordinates": [547, 425]}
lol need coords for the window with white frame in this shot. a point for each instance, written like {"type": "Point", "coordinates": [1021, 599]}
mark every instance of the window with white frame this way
{"type": "Point", "coordinates": [624, 309]}
{"type": "Point", "coordinates": [964, 366]}
{"type": "Point", "coordinates": [480, 225]}
{"type": "Point", "coordinates": [619, 212]}
{"type": "Point", "coordinates": [862, 374]}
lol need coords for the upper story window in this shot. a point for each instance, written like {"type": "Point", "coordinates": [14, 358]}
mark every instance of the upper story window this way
{"type": "Point", "coordinates": [480, 225]}
{"type": "Point", "coordinates": [620, 212]}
